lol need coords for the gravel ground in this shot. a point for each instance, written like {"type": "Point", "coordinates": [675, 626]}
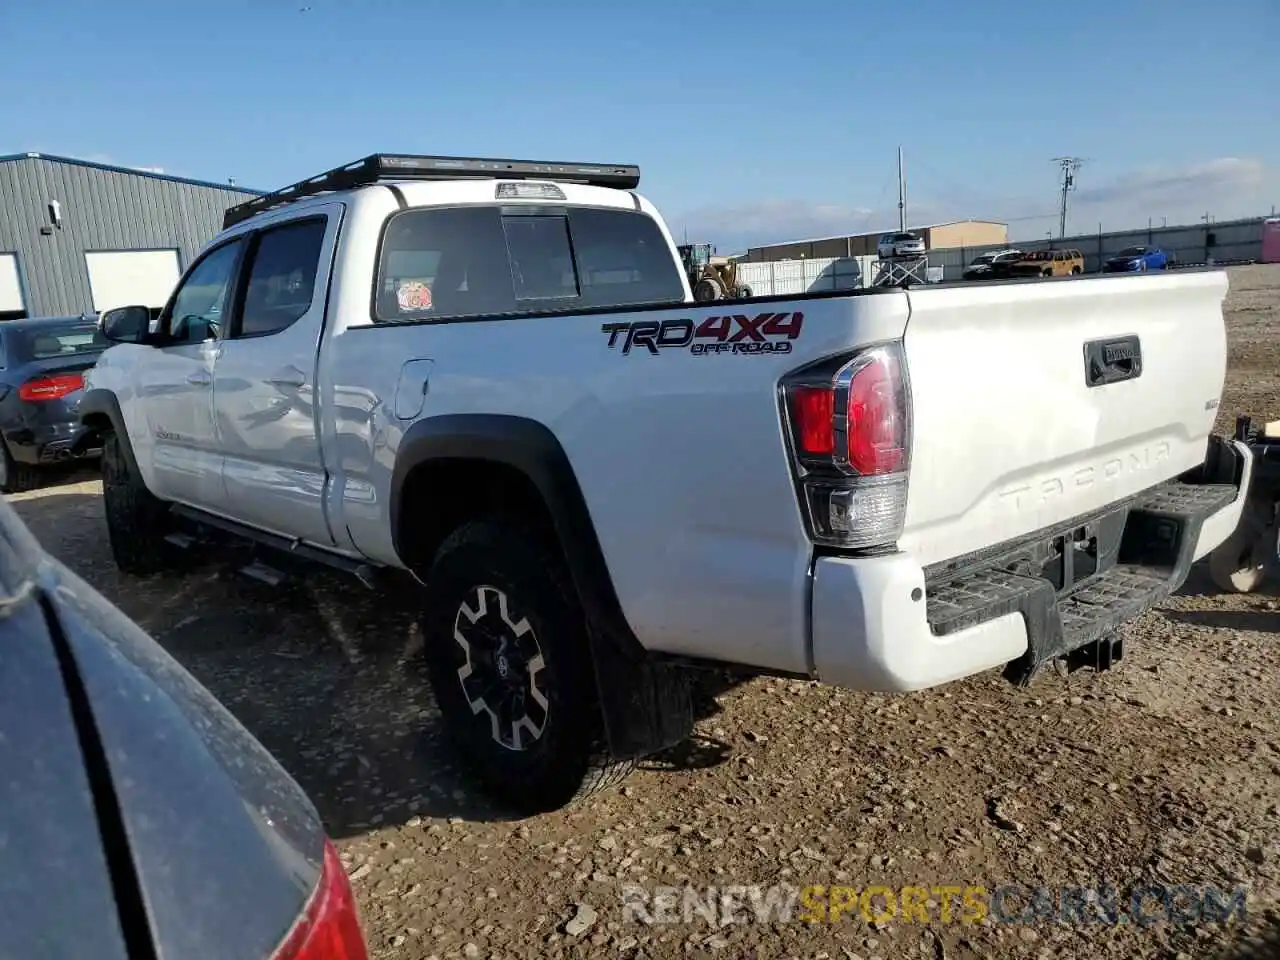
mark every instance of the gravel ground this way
{"type": "Point", "coordinates": [1163, 771]}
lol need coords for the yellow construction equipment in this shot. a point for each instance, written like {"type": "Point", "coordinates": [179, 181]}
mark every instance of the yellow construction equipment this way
{"type": "Point", "coordinates": [711, 277]}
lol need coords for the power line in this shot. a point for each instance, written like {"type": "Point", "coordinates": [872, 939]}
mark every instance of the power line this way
{"type": "Point", "coordinates": [1069, 167]}
{"type": "Point", "coordinates": [991, 202]}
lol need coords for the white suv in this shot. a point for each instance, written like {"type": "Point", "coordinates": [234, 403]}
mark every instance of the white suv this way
{"type": "Point", "coordinates": [900, 246]}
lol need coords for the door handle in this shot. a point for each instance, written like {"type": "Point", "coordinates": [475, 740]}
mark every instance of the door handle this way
{"type": "Point", "coordinates": [200, 378]}
{"type": "Point", "coordinates": [288, 377]}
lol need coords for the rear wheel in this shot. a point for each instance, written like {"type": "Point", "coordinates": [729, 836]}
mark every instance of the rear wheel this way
{"type": "Point", "coordinates": [137, 520]}
{"type": "Point", "coordinates": [14, 476]}
{"type": "Point", "coordinates": [509, 661]}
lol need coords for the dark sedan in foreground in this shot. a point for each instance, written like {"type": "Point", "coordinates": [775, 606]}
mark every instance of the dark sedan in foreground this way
{"type": "Point", "coordinates": [42, 365]}
{"type": "Point", "coordinates": [138, 819]}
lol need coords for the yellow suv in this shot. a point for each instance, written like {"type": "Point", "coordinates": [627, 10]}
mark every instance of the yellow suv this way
{"type": "Point", "coordinates": [1049, 263]}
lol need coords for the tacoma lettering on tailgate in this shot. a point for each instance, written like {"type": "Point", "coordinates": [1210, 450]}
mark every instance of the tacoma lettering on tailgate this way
{"type": "Point", "coordinates": [1038, 492]}
{"type": "Point", "coordinates": [730, 333]}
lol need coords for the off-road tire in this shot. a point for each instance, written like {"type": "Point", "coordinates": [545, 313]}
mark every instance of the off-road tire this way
{"type": "Point", "coordinates": [137, 521]}
{"type": "Point", "coordinates": [569, 759]}
{"type": "Point", "coordinates": [706, 291]}
{"type": "Point", "coordinates": [16, 477]}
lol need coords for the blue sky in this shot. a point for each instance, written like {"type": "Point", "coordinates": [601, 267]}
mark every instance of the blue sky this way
{"type": "Point", "coordinates": [751, 122]}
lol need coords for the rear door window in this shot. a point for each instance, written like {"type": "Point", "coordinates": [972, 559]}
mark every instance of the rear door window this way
{"type": "Point", "coordinates": [282, 277]}
{"type": "Point", "coordinates": [485, 260]}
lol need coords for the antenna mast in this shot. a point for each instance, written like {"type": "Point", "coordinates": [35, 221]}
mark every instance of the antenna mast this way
{"type": "Point", "coordinates": [902, 196]}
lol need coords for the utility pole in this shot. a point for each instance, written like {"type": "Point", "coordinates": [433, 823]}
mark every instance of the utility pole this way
{"type": "Point", "coordinates": [902, 196]}
{"type": "Point", "coordinates": [1069, 167]}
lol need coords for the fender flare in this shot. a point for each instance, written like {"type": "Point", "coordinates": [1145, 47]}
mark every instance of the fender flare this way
{"type": "Point", "coordinates": [99, 403]}
{"type": "Point", "coordinates": [645, 700]}
{"type": "Point", "coordinates": [534, 450]}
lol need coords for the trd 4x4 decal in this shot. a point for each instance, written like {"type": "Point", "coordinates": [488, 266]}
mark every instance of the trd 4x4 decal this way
{"type": "Point", "coordinates": [730, 333]}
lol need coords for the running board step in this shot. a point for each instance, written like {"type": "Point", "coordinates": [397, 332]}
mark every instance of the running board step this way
{"type": "Point", "coordinates": [264, 574]}
{"type": "Point", "coordinates": [366, 573]}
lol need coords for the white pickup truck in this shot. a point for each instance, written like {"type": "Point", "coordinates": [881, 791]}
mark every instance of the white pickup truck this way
{"type": "Point", "coordinates": [490, 374]}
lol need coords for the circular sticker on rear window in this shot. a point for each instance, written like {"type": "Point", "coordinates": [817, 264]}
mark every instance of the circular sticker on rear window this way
{"type": "Point", "coordinates": [414, 295]}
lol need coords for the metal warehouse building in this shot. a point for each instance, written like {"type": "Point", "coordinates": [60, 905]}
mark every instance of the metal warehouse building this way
{"type": "Point", "coordinates": [954, 233]}
{"type": "Point", "coordinates": [79, 237]}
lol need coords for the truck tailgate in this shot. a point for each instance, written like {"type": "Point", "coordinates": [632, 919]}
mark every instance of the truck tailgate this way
{"type": "Point", "coordinates": [1033, 403]}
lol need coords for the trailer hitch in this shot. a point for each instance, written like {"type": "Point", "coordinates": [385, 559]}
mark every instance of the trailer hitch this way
{"type": "Point", "coordinates": [1102, 654]}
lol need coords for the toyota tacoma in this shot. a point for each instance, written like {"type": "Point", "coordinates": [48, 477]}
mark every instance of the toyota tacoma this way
{"type": "Point", "coordinates": [491, 375]}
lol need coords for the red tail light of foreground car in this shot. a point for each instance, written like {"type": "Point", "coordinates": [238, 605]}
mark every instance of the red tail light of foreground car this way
{"type": "Point", "coordinates": [51, 388]}
{"type": "Point", "coordinates": [329, 928]}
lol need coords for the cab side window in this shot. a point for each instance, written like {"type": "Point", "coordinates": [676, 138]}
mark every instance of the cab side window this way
{"type": "Point", "coordinates": [203, 300]}
{"type": "Point", "coordinates": [282, 277]}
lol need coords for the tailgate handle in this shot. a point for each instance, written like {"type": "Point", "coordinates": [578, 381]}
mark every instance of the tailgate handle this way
{"type": "Point", "coordinates": [1110, 361]}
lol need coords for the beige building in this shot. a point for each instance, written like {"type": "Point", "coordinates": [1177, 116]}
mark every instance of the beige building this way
{"type": "Point", "coordinates": [936, 236]}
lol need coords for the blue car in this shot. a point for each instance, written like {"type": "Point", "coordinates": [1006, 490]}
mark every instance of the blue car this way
{"type": "Point", "coordinates": [1132, 259]}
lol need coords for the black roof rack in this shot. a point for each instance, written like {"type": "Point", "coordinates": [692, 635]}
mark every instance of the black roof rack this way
{"type": "Point", "coordinates": [385, 166]}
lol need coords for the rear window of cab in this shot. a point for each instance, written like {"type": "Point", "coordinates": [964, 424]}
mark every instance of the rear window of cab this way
{"type": "Point", "coordinates": [457, 262]}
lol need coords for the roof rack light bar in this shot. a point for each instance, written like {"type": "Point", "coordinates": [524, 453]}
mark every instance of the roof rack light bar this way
{"type": "Point", "coordinates": [378, 167]}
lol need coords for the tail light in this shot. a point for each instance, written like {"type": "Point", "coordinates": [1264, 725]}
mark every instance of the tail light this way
{"type": "Point", "coordinates": [850, 431]}
{"type": "Point", "coordinates": [329, 928]}
{"type": "Point", "coordinates": [51, 388]}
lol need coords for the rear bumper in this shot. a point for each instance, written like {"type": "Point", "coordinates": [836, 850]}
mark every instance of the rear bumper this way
{"type": "Point", "coordinates": [885, 623]}
{"type": "Point", "coordinates": [48, 443]}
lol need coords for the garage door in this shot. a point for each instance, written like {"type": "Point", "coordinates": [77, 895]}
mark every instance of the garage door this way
{"type": "Point", "coordinates": [122, 278]}
{"type": "Point", "coordinates": [10, 288]}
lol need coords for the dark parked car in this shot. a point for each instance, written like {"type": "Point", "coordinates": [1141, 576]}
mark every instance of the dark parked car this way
{"type": "Point", "coordinates": [1138, 259]}
{"type": "Point", "coordinates": [137, 817]}
{"type": "Point", "coordinates": [42, 365]}
{"type": "Point", "coordinates": [989, 266]}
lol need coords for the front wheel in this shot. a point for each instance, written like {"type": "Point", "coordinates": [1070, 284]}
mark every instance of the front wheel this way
{"type": "Point", "coordinates": [137, 520]}
{"type": "Point", "coordinates": [509, 660]}
{"type": "Point", "coordinates": [706, 290]}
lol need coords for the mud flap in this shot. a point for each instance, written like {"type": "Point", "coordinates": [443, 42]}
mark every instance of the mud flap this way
{"type": "Point", "coordinates": [647, 702]}
{"type": "Point", "coordinates": [1240, 563]}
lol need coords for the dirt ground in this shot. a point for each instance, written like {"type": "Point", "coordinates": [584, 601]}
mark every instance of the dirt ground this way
{"type": "Point", "coordinates": [1163, 771]}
